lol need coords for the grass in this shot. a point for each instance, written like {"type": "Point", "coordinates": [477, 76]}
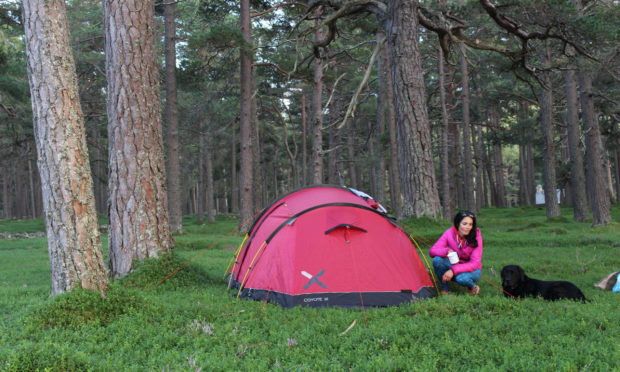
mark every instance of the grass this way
{"type": "Point", "coordinates": [189, 322]}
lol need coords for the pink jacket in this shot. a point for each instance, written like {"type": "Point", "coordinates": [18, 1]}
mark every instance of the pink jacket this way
{"type": "Point", "coordinates": [470, 257]}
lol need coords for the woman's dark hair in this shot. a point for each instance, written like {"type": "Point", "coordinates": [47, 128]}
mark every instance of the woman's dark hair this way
{"type": "Point", "coordinates": [471, 237]}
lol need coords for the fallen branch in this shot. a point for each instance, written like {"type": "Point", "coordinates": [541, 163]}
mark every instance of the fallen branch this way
{"type": "Point", "coordinates": [348, 329]}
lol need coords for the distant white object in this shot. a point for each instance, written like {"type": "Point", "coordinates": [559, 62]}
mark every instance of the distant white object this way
{"type": "Point", "coordinates": [540, 195]}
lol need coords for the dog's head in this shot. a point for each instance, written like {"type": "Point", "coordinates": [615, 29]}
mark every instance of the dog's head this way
{"type": "Point", "coordinates": [512, 276]}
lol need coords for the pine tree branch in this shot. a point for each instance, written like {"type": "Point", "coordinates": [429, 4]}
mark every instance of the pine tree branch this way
{"type": "Point", "coordinates": [279, 69]}
{"type": "Point", "coordinates": [290, 153]}
{"type": "Point", "coordinates": [517, 29]}
{"type": "Point", "coordinates": [8, 110]}
{"type": "Point", "coordinates": [353, 104]}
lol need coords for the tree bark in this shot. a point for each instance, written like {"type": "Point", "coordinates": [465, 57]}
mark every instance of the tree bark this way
{"type": "Point", "coordinates": [304, 140]}
{"type": "Point", "coordinates": [489, 161]}
{"type": "Point", "coordinates": [353, 179]}
{"type": "Point", "coordinates": [478, 142]}
{"type": "Point", "coordinates": [546, 127]}
{"type": "Point", "coordinates": [526, 160]}
{"type": "Point", "coordinates": [333, 142]}
{"type": "Point", "coordinates": [595, 154]}
{"type": "Point", "coordinates": [246, 183]}
{"type": "Point", "coordinates": [71, 219]}
{"type": "Point", "coordinates": [394, 172]}
{"type": "Point", "coordinates": [199, 193]}
{"type": "Point", "coordinates": [377, 148]}
{"type": "Point", "coordinates": [577, 175]}
{"type": "Point", "coordinates": [172, 120]}
{"type": "Point", "coordinates": [500, 183]}
{"type": "Point", "coordinates": [3, 180]}
{"type": "Point", "coordinates": [446, 195]}
{"type": "Point", "coordinates": [260, 176]}
{"type": "Point", "coordinates": [209, 185]}
{"type": "Point", "coordinates": [234, 179]}
{"type": "Point", "coordinates": [317, 112]}
{"type": "Point", "coordinates": [7, 200]}
{"type": "Point", "coordinates": [481, 200]}
{"type": "Point", "coordinates": [139, 227]}
{"type": "Point", "coordinates": [617, 168]}
{"type": "Point", "coordinates": [418, 183]}
{"type": "Point", "coordinates": [32, 197]}
{"type": "Point", "coordinates": [468, 173]}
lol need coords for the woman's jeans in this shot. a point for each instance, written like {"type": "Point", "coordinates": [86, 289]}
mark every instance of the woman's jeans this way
{"type": "Point", "coordinates": [467, 279]}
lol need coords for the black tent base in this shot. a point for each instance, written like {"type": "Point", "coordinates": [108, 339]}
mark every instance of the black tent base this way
{"type": "Point", "coordinates": [348, 300]}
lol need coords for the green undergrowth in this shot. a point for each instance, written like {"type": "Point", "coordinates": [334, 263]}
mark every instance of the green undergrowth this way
{"type": "Point", "coordinates": [169, 271]}
{"type": "Point", "coordinates": [176, 314]}
{"type": "Point", "coordinates": [22, 226]}
{"type": "Point", "coordinates": [79, 307]}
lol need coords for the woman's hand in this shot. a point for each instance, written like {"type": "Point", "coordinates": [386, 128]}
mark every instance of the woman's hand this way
{"type": "Point", "coordinates": [447, 276]}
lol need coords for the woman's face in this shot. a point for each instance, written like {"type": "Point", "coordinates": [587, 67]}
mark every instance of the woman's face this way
{"type": "Point", "coordinates": [465, 226]}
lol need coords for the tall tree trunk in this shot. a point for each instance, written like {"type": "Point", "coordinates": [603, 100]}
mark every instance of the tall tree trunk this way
{"type": "Point", "coordinates": [353, 179]}
{"type": "Point", "coordinates": [577, 175]}
{"type": "Point", "coordinates": [139, 227]}
{"type": "Point", "coordinates": [523, 185]}
{"type": "Point", "coordinates": [418, 183]}
{"type": "Point", "coordinates": [246, 177]}
{"type": "Point", "coordinates": [617, 168]}
{"type": "Point", "coordinates": [259, 177]}
{"type": "Point", "coordinates": [394, 172]}
{"type": "Point", "coordinates": [69, 203]}
{"type": "Point", "coordinates": [446, 196]}
{"type": "Point", "coordinates": [489, 161]}
{"type": "Point", "coordinates": [99, 170]}
{"type": "Point", "coordinates": [499, 176]}
{"type": "Point", "coordinates": [500, 187]}
{"type": "Point", "coordinates": [209, 185]}
{"type": "Point", "coordinates": [546, 128]}
{"type": "Point", "coordinates": [377, 147]}
{"type": "Point", "coordinates": [478, 142]}
{"type": "Point", "coordinates": [304, 140]}
{"type": "Point", "coordinates": [333, 142]}
{"type": "Point", "coordinates": [22, 192]}
{"type": "Point", "coordinates": [200, 196]}
{"type": "Point", "coordinates": [595, 154]}
{"type": "Point", "coordinates": [468, 173]}
{"type": "Point", "coordinates": [234, 179]}
{"type": "Point", "coordinates": [479, 187]}
{"type": "Point", "coordinates": [3, 196]}
{"type": "Point", "coordinates": [172, 120]}
{"type": "Point", "coordinates": [317, 111]}
{"type": "Point", "coordinates": [7, 200]}
{"type": "Point", "coordinates": [32, 196]}
{"type": "Point", "coordinates": [526, 161]}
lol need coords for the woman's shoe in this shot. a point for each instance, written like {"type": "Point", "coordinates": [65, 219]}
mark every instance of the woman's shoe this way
{"type": "Point", "coordinates": [474, 291]}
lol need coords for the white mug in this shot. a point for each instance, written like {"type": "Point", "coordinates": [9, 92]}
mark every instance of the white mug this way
{"type": "Point", "coordinates": [453, 257]}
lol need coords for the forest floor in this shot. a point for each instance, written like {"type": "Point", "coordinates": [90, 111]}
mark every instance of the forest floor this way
{"type": "Point", "coordinates": [190, 322]}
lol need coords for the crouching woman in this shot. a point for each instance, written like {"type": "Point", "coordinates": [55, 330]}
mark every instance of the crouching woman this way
{"type": "Point", "coordinates": [457, 255]}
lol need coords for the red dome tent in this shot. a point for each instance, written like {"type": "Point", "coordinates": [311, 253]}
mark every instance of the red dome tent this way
{"type": "Point", "coordinates": [328, 245]}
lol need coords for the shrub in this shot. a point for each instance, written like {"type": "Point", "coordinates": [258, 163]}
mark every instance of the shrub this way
{"type": "Point", "coordinates": [46, 357]}
{"type": "Point", "coordinates": [169, 271]}
{"type": "Point", "coordinates": [73, 309]}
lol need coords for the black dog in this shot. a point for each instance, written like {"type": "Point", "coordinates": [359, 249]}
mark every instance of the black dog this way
{"type": "Point", "coordinates": [517, 284]}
